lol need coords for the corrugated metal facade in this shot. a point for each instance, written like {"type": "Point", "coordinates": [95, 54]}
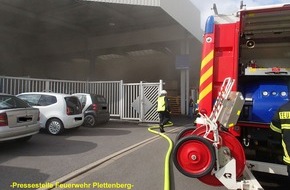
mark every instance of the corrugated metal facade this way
{"type": "Point", "coordinates": [133, 2]}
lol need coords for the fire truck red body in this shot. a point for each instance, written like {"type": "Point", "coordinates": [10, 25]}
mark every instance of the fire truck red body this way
{"type": "Point", "coordinates": [252, 47]}
{"type": "Point", "coordinates": [245, 58]}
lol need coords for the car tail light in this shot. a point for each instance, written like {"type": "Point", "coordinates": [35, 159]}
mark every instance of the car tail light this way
{"type": "Point", "coordinates": [38, 119]}
{"type": "Point", "coordinates": [95, 107]}
{"type": "Point", "coordinates": [3, 119]}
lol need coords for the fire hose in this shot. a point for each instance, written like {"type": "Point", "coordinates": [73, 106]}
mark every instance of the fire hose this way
{"type": "Point", "coordinates": [167, 157]}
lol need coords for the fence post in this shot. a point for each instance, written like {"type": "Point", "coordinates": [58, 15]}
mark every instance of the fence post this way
{"type": "Point", "coordinates": [141, 117]}
{"type": "Point", "coordinates": [121, 100]}
{"type": "Point", "coordinates": [47, 86]}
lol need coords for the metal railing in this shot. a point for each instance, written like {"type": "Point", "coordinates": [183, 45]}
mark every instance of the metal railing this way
{"type": "Point", "coordinates": [133, 101]}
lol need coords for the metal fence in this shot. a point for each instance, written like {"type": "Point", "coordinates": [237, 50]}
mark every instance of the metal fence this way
{"type": "Point", "coordinates": [131, 101]}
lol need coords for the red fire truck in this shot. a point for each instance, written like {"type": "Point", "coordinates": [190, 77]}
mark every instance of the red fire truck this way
{"type": "Point", "coordinates": [244, 79]}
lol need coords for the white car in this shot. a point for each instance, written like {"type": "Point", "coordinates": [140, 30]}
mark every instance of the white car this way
{"type": "Point", "coordinates": [18, 120]}
{"type": "Point", "coordinates": [57, 111]}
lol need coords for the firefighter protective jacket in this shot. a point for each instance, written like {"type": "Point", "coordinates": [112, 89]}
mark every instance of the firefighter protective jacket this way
{"type": "Point", "coordinates": [281, 124]}
{"type": "Point", "coordinates": [163, 104]}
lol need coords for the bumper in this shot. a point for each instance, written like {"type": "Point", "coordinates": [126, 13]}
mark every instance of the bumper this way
{"type": "Point", "coordinates": [18, 132]}
{"type": "Point", "coordinates": [72, 122]}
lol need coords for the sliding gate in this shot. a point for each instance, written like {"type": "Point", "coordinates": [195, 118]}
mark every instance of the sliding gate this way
{"type": "Point", "coordinates": [129, 101]}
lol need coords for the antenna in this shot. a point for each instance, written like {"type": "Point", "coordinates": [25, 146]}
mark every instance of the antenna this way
{"type": "Point", "coordinates": [242, 5]}
{"type": "Point", "coordinates": [214, 8]}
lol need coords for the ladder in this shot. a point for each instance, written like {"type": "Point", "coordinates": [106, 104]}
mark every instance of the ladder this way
{"type": "Point", "coordinates": [211, 122]}
{"type": "Point", "coordinates": [222, 96]}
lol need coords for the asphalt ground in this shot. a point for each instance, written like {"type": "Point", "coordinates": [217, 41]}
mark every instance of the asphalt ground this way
{"type": "Point", "coordinates": [125, 155]}
{"type": "Point", "coordinates": [139, 168]}
{"type": "Point", "coordinates": [142, 168]}
{"type": "Point", "coordinates": [45, 158]}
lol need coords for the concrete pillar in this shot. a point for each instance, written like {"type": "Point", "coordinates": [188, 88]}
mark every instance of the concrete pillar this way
{"type": "Point", "coordinates": [184, 79]}
{"type": "Point", "coordinates": [182, 90]}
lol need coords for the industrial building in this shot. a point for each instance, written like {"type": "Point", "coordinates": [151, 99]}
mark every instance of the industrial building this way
{"type": "Point", "coordinates": [103, 40]}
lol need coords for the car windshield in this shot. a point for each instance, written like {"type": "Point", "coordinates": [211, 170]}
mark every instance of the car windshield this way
{"type": "Point", "coordinates": [10, 102]}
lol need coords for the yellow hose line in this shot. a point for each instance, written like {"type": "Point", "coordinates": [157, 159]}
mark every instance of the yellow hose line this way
{"type": "Point", "coordinates": [167, 157]}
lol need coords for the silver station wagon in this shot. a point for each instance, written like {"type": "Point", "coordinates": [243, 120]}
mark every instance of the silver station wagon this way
{"type": "Point", "coordinates": [18, 120]}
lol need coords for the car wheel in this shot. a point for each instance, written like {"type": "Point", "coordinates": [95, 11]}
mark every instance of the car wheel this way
{"type": "Point", "coordinates": [89, 121]}
{"type": "Point", "coordinates": [54, 126]}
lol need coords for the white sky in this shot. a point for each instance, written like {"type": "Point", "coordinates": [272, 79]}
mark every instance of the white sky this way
{"type": "Point", "coordinates": [229, 6]}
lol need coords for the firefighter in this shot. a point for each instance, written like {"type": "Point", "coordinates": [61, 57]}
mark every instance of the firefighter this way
{"type": "Point", "coordinates": [281, 124]}
{"type": "Point", "coordinates": [163, 108]}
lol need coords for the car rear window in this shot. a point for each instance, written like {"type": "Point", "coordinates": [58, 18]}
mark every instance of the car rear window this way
{"type": "Point", "coordinates": [98, 99]}
{"type": "Point", "coordinates": [9, 102]}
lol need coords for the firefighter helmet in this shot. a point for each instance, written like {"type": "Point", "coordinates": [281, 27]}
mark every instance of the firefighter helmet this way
{"type": "Point", "coordinates": [163, 92]}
